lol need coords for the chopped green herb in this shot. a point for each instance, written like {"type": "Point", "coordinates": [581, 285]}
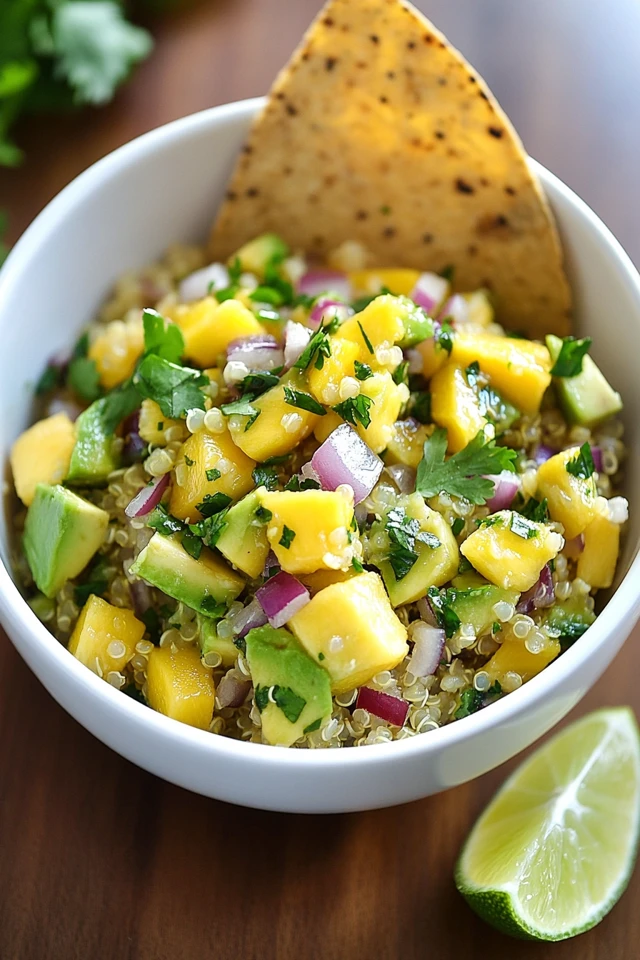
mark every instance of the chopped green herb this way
{"type": "Point", "coordinates": [210, 528]}
{"type": "Point", "coordinates": [536, 510]}
{"type": "Point", "coordinates": [265, 477]}
{"type": "Point", "coordinates": [163, 522]}
{"type": "Point", "coordinates": [355, 410]}
{"type": "Point", "coordinates": [263, 515]}
{"type": "Point", "coordinates": [494, 690]}
{"type": "Point", "coordinates": [258, 383]}
{"type": "Point", "coordinates": [470, 702]}
{"type": "Point", "coordinates": [83, 378]}
{"type": "Point", "coordinates": [569, 360]}
{"type": "Point", "coordinates": [152, 622]}
{"type": "Point", "coordinates": [401, 373]}
{"type": "Point", "coordinates": [321, 656]}
{"type": "Point", "coordinates": [213, 503]}
{"type": "Point", "coordinates": [357, 565]}
{"type": "Point", "coordinates": [420, 406]}
{"type": "Point", "coordinates": [161, 337]}
{"type": "Point", "coordinates": [403, 532]}
{"type": "Point", "coordinates": [189, 462]}
{"type": "Point", "coordinates": [287, 537]}
{"type": "Point", "coordinates": [304, 401]}
{"type": "Point", "coordinates": [192, 544]}
{"type": "Point", "coordinates": [464, 566]}
{"type": "Point", "coordinates": [368, 343]}
{"type": "Point", "coordinates": [289, 702]}
{"type": "Point", "coordinates": [448, 272]}
{"type": "Point", "coordinates": [443, 336]}
{"type": "Point", "coordinates": [96, 582]}
{"type": "Point", "coordinates": [296, 484]}
{"type": "Point", "coordinates": [160, 425]}
{"type": "Point", "coordinates": [132, 691]}
{"type": "Point", "coordinates": [522, 527]}
{"type": "Point", "coordinates": [313, 726]}
{"type": "Point", "coordinates": [48, 380]}
{"type": "Point", "coordinates": [212, 609]}
{"type": "Point", "coordinates": [446, 616]}
{"type": "Point", "coordinates": [212, 474]}
{"type": "Point", "coordinates": [582, 465]}
{"type": "Point", "coordinates": [496, 627]}
{"type": "Point", "coordinates": [463, 474]}
{"type": "Point", "coordinates": [318, 347]}
{"type": "Point", "coordinates": [241, 408]}
{"type": "Point", "coordinates": [175, 389]}
{"type": "Point", "coordinates": [457, 526]}
{"type": "Point", "coordinates": [276, 461]}
{"type": "Point", "coordinates": [362, 370]}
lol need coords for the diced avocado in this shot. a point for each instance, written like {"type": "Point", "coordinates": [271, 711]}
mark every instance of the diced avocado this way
{"type": "Point", "coordinates": [570, 618]}
{"type": "Point", "coordinates": [258, 254]}
{"type": "Point", "coordinates": [292, 692]}
{"type": "Point", "coordinates": [206, 584]}
{"type": "Point", "coordinates": [588, 397]}
{"type": "Point", "coordinates": [93, 457]}
{"type": "Point", "coordinates": [243, 540]}
{"type": "Point", "coordinates": [211, 642]}
{"type": "Point", "coordinates": [61, 534]}
{"type": "Point", "coordinates": [417, 325]}
{"type": "Point", "coordinates": [472, 598]}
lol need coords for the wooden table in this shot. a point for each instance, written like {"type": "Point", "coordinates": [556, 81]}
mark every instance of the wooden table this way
{"type": "Point", "coordinates": [100, 861]}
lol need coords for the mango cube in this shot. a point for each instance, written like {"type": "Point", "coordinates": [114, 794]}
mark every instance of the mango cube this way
{"type": "Point", "coordinates": [512, 656]}
{"type": "Point", "coordinates": [179, 686]}
{"type": "Point", "coordinates": [206, 455]}
{"type": "Point", "coordinates": [209, 327]}
{"type": "Point", "coordinates": [326, 425]}
{"type": "Point", "coordinates": [433, 357]}
{"type": "Point", "coordinates": [382, 323]}
{"type": "Point", "coordinates": [351, 629]}
{"type": "Point", "coordinates": [324, 384]}
{"type": "Point", "coordinates": [279, 427]}
{"type": "Point", "coordinates": [519, 369]}
{"type": "Point", "coordinates": [310, 530]}
{"type": "Point", "coordinates": [510, 551]}
{"type": "Point", "coordinates": [571, 500]}
{"type": "Point", "coordinates": [454, 406]}
{"type": "Point", "coordinates": [42, 454]}
{"type": "Point", "coordinates": [400, 280]}
{"type": "Point", "coordinates": [407, 443]}
{"type": "Point", "coordinates": [105, 637]}
{"type": "Point", "coordinates": [153, 423]}
{"type": "Point", "coordinates": [597, 562]}
{"type": "Point", "coordinates": [388, 399]}
{"type": "Point", "coordinates": [116, 351]}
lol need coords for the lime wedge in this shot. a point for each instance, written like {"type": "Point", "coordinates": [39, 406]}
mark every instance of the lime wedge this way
{"type": "Point", "coordinates": [555, 848]}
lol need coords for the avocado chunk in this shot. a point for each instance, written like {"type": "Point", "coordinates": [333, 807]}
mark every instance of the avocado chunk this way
{"type": "Point", "coordinates": [473, 598]}
{"type": "Point", "coordinates": [61, 534]}
{"type": "Point", "coordinates": [417, 325]}
{"type": "Point", "coordinates": [93, 457]}
{"type": "Point", "coordinates": [211, 642]}
{"type": "Point", "coordinates": [588, 397]}
{"type": "Point", "coordinates": [243, 540]}
{"type": "Point", "coordinates": [207, 584]}
{"type": "Point", "coordinates": [569, 618]}
{"type": "Point", "coordinates": [261, 253]}
{"type": "Point", "coordinates": [292, 692]}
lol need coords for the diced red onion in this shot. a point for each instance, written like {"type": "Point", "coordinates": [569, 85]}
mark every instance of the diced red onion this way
{"type": "Point", "coordinates": [281, 597]}
{"type": "Point", "coordinates": [541, 594]}
{"type": "Point", "coordinates": [543, 453]}
{"type": "Point", "coordinates": [232, 691]}
{"type": "Point", "coordinates": [61, 405]}
{"type": "Point", "coordinates": [316, 282]}
{"type": "Point", "coordinates": [596, 453]}
{"type": "Point", "coordinates": [260, 352]}
{"type": "Point", "coordinates": [325, 309]}
{"type": "Point", "coordinates": [506, 485]}
{"type": "Point", "coordinates": [134, 445]}
{"type": "Point", "coordinates": [246, 619]}
{"type": "Point", "coordinates": [270, 565]}
{"type": "Point", "coordinates": [403, 476]}
{"type": "Point", "coordinates": [140, 596]}
{"type": "Point", "coordinates": [427, 650]}
{"type": "Point", "coordinates": [383, 705]}
{"type": "Point", "coordinates": [344, 457]}
{"type": "Point", "coordinates": [573, 548]}
{"type": "Point", "coordinates": [296, 337]}
{"type": "Point", "coordinates": [429, 292]}
{"type": "Point", "coordinates": [197, 284]}
{"type": "Point", "coordinates": [426, 611]}
{"type": "Point", "coordinates": [148, 498]}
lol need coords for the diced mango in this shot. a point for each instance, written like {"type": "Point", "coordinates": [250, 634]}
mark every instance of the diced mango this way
{"type": "Point", "coordinates": [179, 686]}
{"type": "Point", "coordinates": [382, 323]}
{"type": "Point", "coordinates": [105, 637]}
{"type": "Point", "coordinates": [324, 384]}
{"type": "Point", "coordinates": [153, 423]}
{"type": "Point", "coordinates": [388, 399]}
{"type": "Point", "coordinates": [571, 500]}
{"type": "Point", "coordinates": [519, 369]}
{"type": "Point", "coordinates": [324, 578]}
{"type": "Point", "coordinates": [116, 351]}
{"type": "Point", "coordinates": [209, 327]}
{"type": "Point", "coordinates": [508, 559]}
{"type": "Point", "coordinates": [454, 406]}
{"type": "Point", "coordinates": [407, 443]}
{"type": "Point", "coordinates": [512, 656]}
{"type": "Point", "coordinates": [399, 280]}
{"type": "Point", "coordinates": [433, 357]}
{"type": "Point", "coordinates": [209, 453]}
{"type": "Point", "coordinates": [42, 454]}
{"type": "Point", "coordinates": [352, 630]}
{"type": "Point", "coordinates": [326, 425]}
{"type": "Point", "coordinates": [279, 427]}
{"type": "Point", "coordinates": [316, 525]}
{"type": "Point", "coordinates": [597, 562]}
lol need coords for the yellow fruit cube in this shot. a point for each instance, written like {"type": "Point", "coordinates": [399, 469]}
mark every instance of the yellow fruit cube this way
{"type": "Point", "coordinates": [407, 443]}
{"type": "Point", "coordinates": [352, 630]}
{"type": "Point", "coordinates": [116, 351]}
{"type": "Point", "coordinates": [324, 578]}
{"type": "Point", "coordinates": [388, 399]}
{"type": "Point", "coordinates": [597, 562]}
{"type": "Point", "coordinates": [512, 656]}
{"type": "Point", "coordinates": [42, 454]}
{"type": "Point", "coordinates": [179, 686]}
{"type": "Point", "coordinates": [279, 427]}
{"type": "Point", "coordinates": [212, 464]}
{"type": "Point", "coordinates": [326, 425]}
{"type": "Point", "coordinates": [310, 530]}
{"type": "Point", "coordinates": [153, 423]}
{"type": "Point", "coordinates": [519, 369]}
{"type": "Point", "coordinates": [454, 406]}
{"type": "Point", "coordinates": [382, 323]}
{"type": "Point", "coordinates": [510, 550]}
{"type": "Point", "coordinates": [571, 500]}
{"type": "Point", "coordinates": [433, 357]}
{"type": "Point", "coordinates": [208, 328]}
{"type": "Point", "coordinates": [105, 637]}
{"type": "Point", "coordinates": [325, 384]}
{"type": "Point", "coordinates": [399, 280]}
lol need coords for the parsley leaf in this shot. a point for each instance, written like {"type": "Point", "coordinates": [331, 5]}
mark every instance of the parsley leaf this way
{"type": "Point", "coordinates": [362, 370]}
{"type": "Point", "coordinates": [443, 335]}
{"type": "Point", "coordinates": [175, 389]}
{"type": "Point", "coordinates": [265, 477]}
{"type": "Point", "coordinates": [582, 465]}
{"type": "Point", "coordinates": [192, 544]}
{"type": "Point", "coordinates": [49, 380]}
{"type": "Point", "coordinates": [401, 373]}
{"type": "Point", "coordinates": [213, 503]}
{"type": "Point", "coordinates": [403, 531]}
{"type": "Point", "coordinates": [446, 616]}
{"type": "Point", "coordinates": [355, 410]}
{"type": "Point", "coordinates": [118, 404]}
{"type": "Point", "coordinates": [463, 474]}
{"type": "Point", "coordinates": [304, 401]}
{"type": "Point", "coordinates": [569, 360]}
{"type": "Point", "coordinates": [287, 538]}
{"type": "Point", "coordinates": [162, 338]}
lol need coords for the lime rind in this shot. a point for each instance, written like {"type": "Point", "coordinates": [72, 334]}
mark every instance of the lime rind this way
{"type": "Point", "coordinates": [499, 904]}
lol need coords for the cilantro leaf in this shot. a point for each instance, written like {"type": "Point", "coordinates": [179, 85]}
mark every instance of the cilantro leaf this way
{"type": "Point", "coordinates": [49, 380]}
{"type": "Point", "coordinates": [119, 404]}
{"type": "Point", "coordinates": [368, 343]}
{"type": "Point", "coordinates": [161, 337]}
{"type": "Point", "coordinates": [289, 702]}
{"type": "Point", "coordinates": [420, 406]}
{"type": "Point", "coordinates": [314, 725]}
{"type": "Point", "coordinates": [522, 527]}
{"type": "Point", "coordinates": [536, 510]}
{"type": "Point", "coordinates": [318, 347]}
{"type": "Point", "coordinates": [362, 370]}
{"type": "Point", "coordinates": [162, 521]}
{"type": "Point", "coordinates": [212, 474]}
{"type": "Point", "coordinates": [470, 702]}
{"type": "Point", "coordinates": [210, 528]}
{"type": "Point", "coordinates": [447, 618]}
{"type": "Point", "coordinates": [443, 335]}
{"type": "Point", "coordinates": [463, 474]}
{"type": "Point", "coordinates": [582, 465]}
{"type": "Point", "coordinates": [265, 477]}
{"type": "Point", "coordinates": [175, 389]}
{"type": "Point", "coordinates": [569, 360]}
{"type": "Point", "coordinates": [84, 379]}
{"type": "Point", "coordinates": [287, 538]}
{"type": "Point", "coordinates": [296, 484]}
{"type": "Point", "coordinates": [259, 382]}
{"type": "Point", "coordinates": [401, 373]}
{"type": "Point", "coordinates": [355, 410]}
{"type": "Point", "coordinates": [403, 531]}
{"type": "Point", "coordinates": [304, 401]}
{"type": "Point", "coordinates": [213, 503]}
{"type": "Point", "coordinates": [192, 544]}
{"type": "Point", "coordinates": [241, 408]}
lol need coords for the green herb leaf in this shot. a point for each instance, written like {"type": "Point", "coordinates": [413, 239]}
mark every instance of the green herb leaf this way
{"type": "Point", "coordinates": [242, 408]}
{"type": "Point", "coordinates": [211, 608]}
{"type": "Point", "coordinates": [522, 527]}
{"type": "Point", "coordinates": [263, 515]}
{"type": "Point", "coordinates": [48, 381]}
{"type": "Point", "coordinates": [161, 337]}
{"type": "Point", "coordinates": [420, 406]}
{"type": "Point", "coordinates": [152, 622]}
{"type": "Point", "coordinates": [175, 389]}
{"type": "Point", "coordinates": [212, 474]}
{"type": "Point", "coordinates": [118, 404]}
{"type": "Point", "coordinates": [403, 532]}
{"type": "Point", "coordinates": [470, 702]}
{"type": "Point", "coordinates": [287, 538]}
{"type": "Point", "coordinates": [355, 410]}
{"type": "Point", "coordinates": [463, 474]}
{"type": "Point", "coordinates": [304, 401]}
{"type": "Point", "coordinates": [401, 373]}
{"type": "Point", "coordinates": [163, 522]}
{"type": "Point", "coordinates": [192, 544]}
{"type": "Point", "coordinates": [296, 484]}
{"type": "Point", "coordinates": [443, 336]}
{"type": "Point", "coordinates": [265, 477]}
{"type": "Point", "coordinates": [368, 343]}
{"type": "Point", "coordinates": [189, 462]}
{"type": "Point", "coordinates": [457, 526]}
{"type": "Point", "coordinates": [83, 378]}
{"type": "Point", "coordinates": [318, 347]}
{"type": "Point", "coordinates": [446, 616]}
{"type": "Point", "coordinates": [582, 465]}
{"type": "Point", "coordinates": [213, 503]}
{"type": "Point", "coordinates": [210, 528]}
{"type": "Point", "coordinates": [362, 370]}
{"type": "Point", "coordinates": [569, 360]}
{"type": "Point", "coordinates": [357, 565]}
{"type": "Point", "coordinates": [315, 725]}
{"type": "Point", "coordinates": [258, 383]}
{"type": "Point", "coordinates": [536, 510]}
{"type": "Point", "coordinates": [289, 702]}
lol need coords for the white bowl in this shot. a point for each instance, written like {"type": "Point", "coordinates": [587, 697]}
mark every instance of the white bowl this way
{"type": "Point", "coordinates": [119, 215]}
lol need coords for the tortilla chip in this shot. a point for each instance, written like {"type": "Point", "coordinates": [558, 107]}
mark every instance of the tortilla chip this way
{"type": "Point", "coordinates": [379, 131]}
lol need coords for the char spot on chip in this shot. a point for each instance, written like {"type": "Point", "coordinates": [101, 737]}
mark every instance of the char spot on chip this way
{"type": "Point", "coordinates": [491, 224]}
{"type": "Point", "coordinates": [330, 63]}
{"type": "Point", "coordinates": [454, 153]}
{"type": "Point", "coordinates": [472, 79]}
{"type": "Point", "coordinates": [416, 142]}
{"type": "Point", "coordinates": [428, 38]}
{"type": "Point", "coordinates": [440, 134]}
{"type": "Point", "coordinates": [411, 45]}
{"type": "Point", "coordinates": [232, 195]}
{"type": "Point", "coordinates": [384, 99]}
{"type": "Point", "coordinates": [472, 250]}
{"type": "Point", "coordinates": [442, 81]}
{"type": "Point", "coordinates": [441, 44]}
{"type": "Point", "coordinates": [463, 187]}
{"type": "Point", "coordinates": [495, 131]}
{"type": "Point", "coordinates": [484, 182]}
{"type": "Point", "coordinates": [329, 180]}
{"type": "Point", "coordinates": [391, 75]}
{"type": "Point", "coordinates": [483, 94]}
{"type": "Point", "coordinates": [510, 190]}
{"type": "Point", "coordinates": [374, 38]}
{"type": "Point", "coordinates": [252, 192]}
{"type": "Point", "coordinates": [313, 198]}
{"type": "Point", "coordinates": [328, 21]}
{"type": "Point", "coordinates": [389, 232]}
{"type": "Point", "coordinates": [361, 64]}
{"type": "Point", "coordinates": [427, 238]}
{"type": "Point", "coordinates": [501, 220]}
{"type": "Point", "coordinates": [291, 110]}
{"type": "Point", "coordinates": [247, 148]}
{"type": "Point", "coordinates": [280, 95]}
{"type": "Point", "coordinates": [287, 171]}
{"type": "Point", "coordinates": [361, 215]}
{"type": "Point", "coordinates": [305, 55]}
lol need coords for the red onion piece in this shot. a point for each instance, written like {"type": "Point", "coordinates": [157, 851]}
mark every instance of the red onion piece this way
{"type": "Point", "coordinates": [596, 453]}
{"type": "Point", "coordinates": [134, 445]}
{"type": "Point", "coordinates": [259, 352]}
{"type": "Point", "coordinates": [456, 308]}
{"type": "Point", "coordinates": [140, 596]}
{"type": "Point", "coordinates": [506, 486]}
{"type": "Point", "coordinates": [403, 476]}
{"type": "Point", "coordinates": [429, 292]}
{"type": "Point", "coordinates": [541, 594]}
{"type": "Point", "coordinates": [345, 458]}
{"type": "Point", "coordinates": [427, 650]}
{"type": "Point", "coordinates": [148, 498]}
{"type": "Point", "coordinates": [232, 691]}
{"type": "Point", "coordinates": [325, 309]}
{"type": "Point", "coordinates": [281, 597]}
{"type": "Point", "coordinates": [543, 453]}
{"type": "Point", "coordinates": [196, 285]}
{"type": "Point", "coordinates": [573, 548]}
{"type": "Point", "coordinates": [392, 709]}
{"type": "Point", "coordinates": [426, 611]}
{"type": "Point", "coordinates": [316, 282]}
{"type": "Point", "coordinates": [271, 565]}
{"type": "Point", "coordinates": [296, 337]}
{"type": "Point", "coordinates": [246, 619]}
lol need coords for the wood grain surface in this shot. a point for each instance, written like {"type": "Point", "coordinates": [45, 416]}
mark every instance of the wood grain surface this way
{"type": "Point", "coordinates": [100, 860]}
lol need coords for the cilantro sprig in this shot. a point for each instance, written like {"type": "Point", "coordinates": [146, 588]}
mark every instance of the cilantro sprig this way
{"type": "Point", "coordinates": [569, 360]}
{"type": "Point", "coordinates": [304, 401]}
{"type": "Point", "coordinates": [318, 347]}
{"type": "Point", "coordinates": [463, 474]}
{"type": "Point", "coordinates": [582, 465]}
{"type": "Point", "coordinates": [403, 533]}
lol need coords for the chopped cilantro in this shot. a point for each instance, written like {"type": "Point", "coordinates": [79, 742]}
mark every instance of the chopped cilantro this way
{"type": "Point", "coordinates": [265, 477]}
{"type": "Point", "coordinates": [321, 656]}
{"type": "Point", "coordinates": [522, 527]}
{"type": "Point", "coordinates": [258, 383]}
{"type": "Point", "coordinates": [496, 627]}
{"type": "Point", "coordinates": [403, 531]}
{"type": "Point", "coordinates": [213, 503]}
{"type": "Point", "coordinates": [368, 343]}
{"type": "Point", "coordinates": [446, 616]}
{"type": "Point", "coordinates": [536, 510]}
{"type": "Point", "coordinates": [569, 360]}
{"type": "Point", "coordinates": [362, 370]}
{"type": "Point", "coordinates": [470, 702]}
{"type": "Point", "coordinates": [464, 566]}
{"type": "Point", "coordinates": [443, 335]}
{"type": "Point", "coordinates": [420, 406]}
{"type": "Point", "coordinates": [117, 405]}
{"type": "Point", "coordinates": [263, 515]}
{"type": "Point", "coordinates": [48, 380]}
{"type": "Point", "coordinates": [463, 474]}
{"type": "Point", "coordinates": [96, 582]}
{"type": "Point", "coordinates": [306, 483]}
{"type": "Point", "coordinates": [192, 544]}
{"type": "Point", "coordinates": [287, 537]}
{"type": "Point", "coordinates": [357, 565]}
{"type": "Point", "coordinates": [163, 522]}
{"type": "Point", "coordinates": [494, 690]}
{"type": "Point", "coordinates": [355, 410]}
{"type": "Point", "coordinates": [315, 725]}
{"type": "Point", "coordinates": [212, 474]}
{"type": "Point", "coordinates": [160, 425]}
{"type": "Point", "coordinates": [582, 465]}
{"type": "Point", "coordinates": [457, 526]}
{"type": "Point", "coordinates": [189, 462]}
{"type": "Point", "coordinates": [241, 408]}
{"type": "Point", "coordinates": [318, 347]}
{"type": "Point", "coordinates": [210, 528]}
{"type": "Point", "coordinates": [276, 461]}
{"type": "Point", "coordinates": [401, 373]}
{"type": "Point", "coordinates": [448, 272]}
{"type": "Point", "coordinates": [285, 698]}
{"type": "Point", "coordinates": [161, 337]}
{"type": "Point", "coordinates": [175, 389]}
{"type": "Point", "coordinates": [212, 609]}
{"type": "Point", "coordinates": [151, 620]}
{"type": "Point", "coordinates": [83, 378]}
{"type": "Point", "coordinates": [304, 401]}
